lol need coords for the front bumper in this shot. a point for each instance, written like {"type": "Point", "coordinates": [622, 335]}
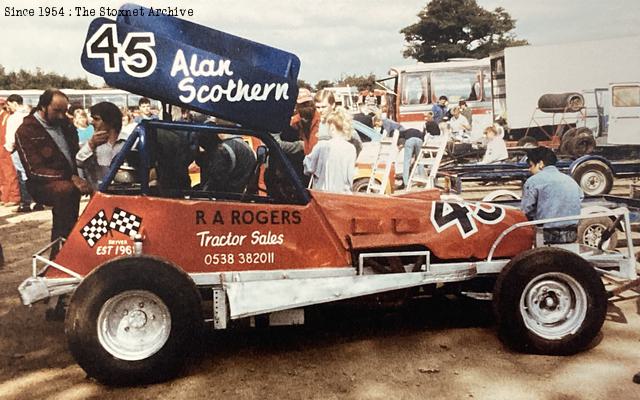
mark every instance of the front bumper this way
{"type": "Point", "coordinates": [37, 287]}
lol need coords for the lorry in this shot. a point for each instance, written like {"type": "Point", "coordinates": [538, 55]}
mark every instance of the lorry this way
{"type": "Point", "coordinates": [521, 75]}
{"type": "Point", "coordinates": [152, 259]}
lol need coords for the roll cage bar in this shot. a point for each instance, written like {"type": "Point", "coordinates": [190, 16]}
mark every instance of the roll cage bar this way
{"type": "Point", "coordinates": [145, 134]}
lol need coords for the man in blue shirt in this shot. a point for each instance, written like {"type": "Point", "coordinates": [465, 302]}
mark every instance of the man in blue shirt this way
{"type": "Point", "coordinates": [549, 193]}
{"type": "Point", "coordinates": [440, 109]}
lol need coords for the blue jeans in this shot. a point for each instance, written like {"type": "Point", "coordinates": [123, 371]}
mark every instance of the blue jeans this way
{"type": "Point", "coordinates": [25, 197]}
{"type": "Point", "coordinates": [412, 148]}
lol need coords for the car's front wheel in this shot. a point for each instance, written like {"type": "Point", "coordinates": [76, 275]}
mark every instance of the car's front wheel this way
{"type": "Point", "coordinates": [132, 321]}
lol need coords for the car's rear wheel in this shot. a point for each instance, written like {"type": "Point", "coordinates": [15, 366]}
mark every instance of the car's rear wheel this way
{"type": "Point", "coordinates": [549, 301]}
{"type": "Point", "coordinates": [132, 321]}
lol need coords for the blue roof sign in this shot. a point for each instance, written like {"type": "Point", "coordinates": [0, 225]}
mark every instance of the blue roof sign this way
{"type": "Point", "coordinates": [192, 66]}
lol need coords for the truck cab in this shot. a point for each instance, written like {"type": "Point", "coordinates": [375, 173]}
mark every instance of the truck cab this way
{"type": "Point", "coordinates": [624, 114]}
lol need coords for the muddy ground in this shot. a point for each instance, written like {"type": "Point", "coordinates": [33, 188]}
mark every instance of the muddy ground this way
{"type": "Point", "coordinates": [439, 348]}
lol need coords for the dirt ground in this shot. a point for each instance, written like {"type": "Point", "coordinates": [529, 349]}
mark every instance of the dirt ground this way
{"type": "Point", "coordinates": [439, 348]}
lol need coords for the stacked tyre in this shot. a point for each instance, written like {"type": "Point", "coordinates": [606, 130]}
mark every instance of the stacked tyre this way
{"type": "Point", "coordinates": [577, 142]}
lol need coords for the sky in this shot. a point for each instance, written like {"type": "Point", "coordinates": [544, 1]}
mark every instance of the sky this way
{"type": "Point", "coordinates": [332, 38]}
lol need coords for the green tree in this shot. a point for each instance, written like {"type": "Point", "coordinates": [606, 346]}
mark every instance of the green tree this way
{"type": "Point", "coordinates": [458, 28]}
{"type": "Point", "coordinates": [323, 84]}
{"type": "Point", "coordinates": [361, 82]}
{"type": "Point", "coordinates": [303, 84]}
{"type": "Point", "coordinates": [39, 79]}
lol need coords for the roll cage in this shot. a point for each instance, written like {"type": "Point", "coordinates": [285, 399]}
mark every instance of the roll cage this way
{"type": "Point", "coordinates": [140, 150]}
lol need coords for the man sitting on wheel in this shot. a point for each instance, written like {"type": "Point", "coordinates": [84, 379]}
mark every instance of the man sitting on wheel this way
{"type": "Point", "coordinates": [549, 193]}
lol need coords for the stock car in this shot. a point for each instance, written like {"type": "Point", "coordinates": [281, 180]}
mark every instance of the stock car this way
{"type": "Point", "coordinates": [152, 260]}
{"type": "Point", "coordinates": [145, 256]}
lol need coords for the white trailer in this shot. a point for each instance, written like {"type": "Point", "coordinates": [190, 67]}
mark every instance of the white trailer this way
{"type": "Point", "coordinates": [520, 75]}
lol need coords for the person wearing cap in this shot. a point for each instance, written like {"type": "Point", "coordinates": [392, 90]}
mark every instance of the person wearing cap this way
{"type": "Point", "coordinates": [306, 120]}
{"type": "Point", "coordinates": [9, 187]}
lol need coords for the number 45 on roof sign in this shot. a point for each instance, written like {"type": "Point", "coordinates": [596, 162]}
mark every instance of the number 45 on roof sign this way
{"type": "Point", "coordinates": [136, 53]}
{"type": "Point", "coordinates": [192, 66]}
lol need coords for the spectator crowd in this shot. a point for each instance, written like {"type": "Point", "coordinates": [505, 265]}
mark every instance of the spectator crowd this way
{"type": "Point", "coordinates": [56, 152]}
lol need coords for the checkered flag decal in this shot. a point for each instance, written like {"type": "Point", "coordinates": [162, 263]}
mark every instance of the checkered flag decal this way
{"type": "Point", "coordinates": [125, 222]}
{"type": "Point", "coordinates": [95, 228]}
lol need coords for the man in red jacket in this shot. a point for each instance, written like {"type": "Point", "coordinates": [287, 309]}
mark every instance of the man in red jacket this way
{"type": "Point", "coordinates": [47, 144]}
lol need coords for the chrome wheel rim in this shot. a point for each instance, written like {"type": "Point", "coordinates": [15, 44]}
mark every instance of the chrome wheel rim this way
{"type": "Point", "coordinates": [592, 235]}
{"type": "Point", "coordinates": [553, 305]}
{"type": "Point", "coordinates": [134, 325]}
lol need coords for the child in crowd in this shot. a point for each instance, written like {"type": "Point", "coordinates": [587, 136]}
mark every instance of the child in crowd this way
{"type": "Point", "coordinates": [81, 122]}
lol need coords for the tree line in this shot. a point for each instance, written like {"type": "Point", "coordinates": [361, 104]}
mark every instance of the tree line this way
{"type": "Point", "coordinates": [38, 79]}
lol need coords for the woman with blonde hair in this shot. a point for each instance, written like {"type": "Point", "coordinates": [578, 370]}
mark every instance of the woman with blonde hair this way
{"type": "Point", "coordinates": [332, 162]}
{"type": "Point", "coordinates": [325, 103]}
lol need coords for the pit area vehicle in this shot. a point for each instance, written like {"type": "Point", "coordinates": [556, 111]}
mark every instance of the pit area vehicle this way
{"type": "Point", "coordinates": [602, 147]}
{"type": "Point", "coordinates": [414, 89]}
{"type": "Point", "coordinates": [151, 259]}
{"type": "Point", "coordinates": [557, 68]}
{"type": "Point", "coordinates": [147, 265]}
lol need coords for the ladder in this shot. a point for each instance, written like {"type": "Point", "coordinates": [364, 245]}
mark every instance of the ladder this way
{"type": "Point", "coordinates": [429, 160]}
{"type": "Point", "coordinates": [387, 153]}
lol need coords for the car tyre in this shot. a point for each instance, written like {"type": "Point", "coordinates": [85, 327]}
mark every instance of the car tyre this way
{"type": "Point", "coordinates": [528, 141]}
{"type": "Point", "coordinates": [578, 142]}
{"type": "Point", "coordinates": [549, 301]}
{"type": "Point", "coordinates": [594, 178]}
{"type": "Point", "coordinates": [590, 232]}
{"type": "Point", "coordinates": [360, 185]}
{"type": "Point", "coordinates": [133, 320]}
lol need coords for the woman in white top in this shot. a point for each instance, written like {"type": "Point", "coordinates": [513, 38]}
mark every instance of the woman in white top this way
{"type": "Point", "coordinates": [331, 163]}
{"type": "Point", "coordinates": [458, 122]}
{"type": "Point", "coordinates": [496, 147]}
